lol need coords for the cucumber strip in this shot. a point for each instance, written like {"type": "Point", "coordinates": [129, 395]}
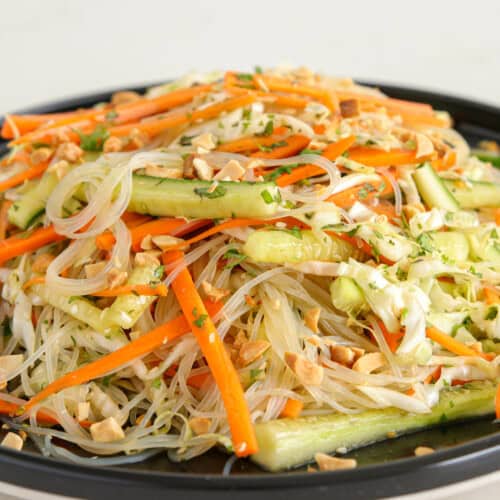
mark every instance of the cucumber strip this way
{"type": "Point", "coordinates": [281, 246]}
{"type": "Point", "coordinates": [433, 190]}
{"type": "Point", "coordinates": [287, 443]}
{"type": "Point", "coordinates": [78, 308]}
{"type": "Point", "coordinates": [127, 309]}
{"type": "Point", "coordinates": [347, 296]}
{"type": "Point", "coordinates": [476, 194]}
{"type": "Point", "coordinates": [487, 157]}
{"type": "Point", "coordinates": [453, 244]}
{"type": "Point", "coordinates": [33, 201]}
{"type": "Point", "coordinates": [193, 198]}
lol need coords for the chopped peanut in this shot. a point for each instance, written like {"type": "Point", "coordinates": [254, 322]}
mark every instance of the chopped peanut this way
{"type": "Point", "coordinates": [252, 350]}
{"type": "Point", "coordinates": [40, 155]}
{"type": "Point", "coordinates": [138, 139]}
{"type": "Point", "coordinates": [311, 318]}
{"type": "Point", "coordinates": [149, 258]}
{"type": "Point", "coordinates": [112, 145]}
{"type": "Point", "coordinates": [423, 450]}
{"type": "Point", "coordinates": [13, 440]}
{"type": "Point", "coordinates": [124, 96]}
{"type": "Point", "coordinates": [147, 242]}
{"type": "Point", "coordinates": [213, 292]}
{"type": "Point", "coordinates": [232, 171]}
{"type": "Point", "coordinates": [326, 462]}
{"type": "Point", "coordinates": [60, 168]}
{"type": "Point", "coordinates": [203, 169]}
{"type": "Point", "coordinates": [165, 241]}
{"type": "Point", "coordinates": [116, 277]}
{"type": "Point", "coordinates": [83, 411]}
{"type": "Point", "coordinates": [424, 145]}
{"type": "Point", "coordinates": [314, 340]}
{"type": "Point", "coordinates": [106, 431]}
{"type": "Point", "coordinates": [42, 262]}
{"type": "Point", "coordinates": [69, 152]}
{"type": "Point", "coordinates": [342, 355]}
{"type": "Point", "coordinates": [92, 270]}
{"type": "Point", "coordinates": [307, 372]}
{"type": "Point", "coordinates": [369, 362]}
{"type": "Point", "coordinates": [163, 172]}
{"type": "Point", "coordinates": [349, 108]}
{"type": "Point", "coordinates": [199, 425]}
{"type": "Point", "coordinates": [240, 339]}
{"type": "Point", "coordinates": [358, 352]}
{"type": "Point", "coordinates": [206, 141]}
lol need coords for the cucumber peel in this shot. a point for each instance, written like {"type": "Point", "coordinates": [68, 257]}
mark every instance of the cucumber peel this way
{"type": "Point", "coordinates": [432, 189]}
{"type": "Point", "coordinates": [287, 443]}
{"type": "Point", "coordinates": [474, 194]}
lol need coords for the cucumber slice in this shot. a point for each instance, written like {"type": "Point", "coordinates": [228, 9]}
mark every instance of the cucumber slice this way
{"type": "Point", "coordinates": [33, 202]}
{"type": "Point", "coordinates": [179, 197]}
{"type": "Point", "coordinates": [346, 295]}
{"type": "Point", "coordinates": [287, 443]}
{"type": "Point", "coordinates": [453, 244]}
{"type": "Point", "coordinates": [432, 189]}
{"type": "Point", "coordinates": [476, 194]}
{"type": "Point", "coordinates": [280, 246]}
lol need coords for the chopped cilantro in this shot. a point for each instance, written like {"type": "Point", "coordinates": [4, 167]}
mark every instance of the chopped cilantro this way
{"type": "Point", "coordinates": [245, 77]}
{"type": "Point", "coordinates": [95, 140]}
{"type": "Point", "coordinates": [491, 313]}
{"type": "Point", "coordinates": [267, 196]}
{"type": "Point", "coordinates": [156, 384]}
{"type": "Point", "coordinates": [378, 234]}
{"type": "Point", "coordinates": [106, 380]}
{"type": "Point", "coordinates": [233, 258]}
{"type": "Point", "coordinates": [425, 242]}
{"type": "Point", "coordinates": [310, 152]}
{"type": "Point", "coordinates": [258, 70]}
{"type": "Point", "coordinates": [218, 192]}
{"type": "Point", "coordinates": [111, 115]}
{"type": "Point", "coordinates": [268, 129]}
{"type": "Point", "coordinates": [185, 140]}
{"type": "Point", "coordinates": [200, 320]}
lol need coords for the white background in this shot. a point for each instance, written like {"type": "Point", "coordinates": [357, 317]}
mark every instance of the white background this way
{"type": "Point", "coordinates": [56, 48]}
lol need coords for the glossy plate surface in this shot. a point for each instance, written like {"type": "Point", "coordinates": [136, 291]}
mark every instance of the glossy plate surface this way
{"type": "Point", "coordinates": [464, 450]}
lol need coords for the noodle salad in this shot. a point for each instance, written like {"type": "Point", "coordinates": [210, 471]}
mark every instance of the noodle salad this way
{"type": "Point", "coordinates": [280, 264]}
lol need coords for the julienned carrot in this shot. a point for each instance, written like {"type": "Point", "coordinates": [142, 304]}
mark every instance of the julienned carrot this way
{"type": "Point", "coordinates": [19, 244]}
{"type": "Point", "coordinates": [196, 381]}
{"type": "Point", "coordinates": [25, 175]}
{"type": "Point", "coordinates": [491, 296]}
{"type": "Point", "coordinates": [497, 216]}
{"type": "Point", "coordinates": [446, 162]}
{"type": "Point", "coordinates": [164, 225]}
{"type": "Point", "coordinates": [253, 142]}
{"type": "Point", "coordinates": [220, 364]}
{"type": "Point", "coordinates": [4, 221]}
{"type": "Point", "coordinates": [159, 290]}
{"type": "Point", "coordinates": [372, 157]}
{"type": "Point", "coordinates": [37, 280]}
{"type": "Point", "coordinates": [26, 123]}
{"type": "Point", "coordinates": [362, 193]}
{"type": "Point", "coordinates": [292, 408]}
{"type": "Point", "coordinates": [282, 85]}
{"type": "Point", "coordinates": [332, 152]}
{"type": "Point", "coordinates": [137, 348]}
{"type": "Point", "coordinates": [133, 219]}
{"type": "Point", "coordinates": [392, 339]}
{"type": "Point", "coordinates": [123, 113]}
{"type": "Point", "coordinates": [291, 145]}
{"type": "Point", "coordinates": [229, 224]}
{"type": "Point", "coordinates": [452, 345]}
{"type": "Point", "coordinates": [155, 127]}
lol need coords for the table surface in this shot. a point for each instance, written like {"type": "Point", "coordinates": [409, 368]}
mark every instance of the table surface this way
{"type": "Point", "coordinates": [60, 48]}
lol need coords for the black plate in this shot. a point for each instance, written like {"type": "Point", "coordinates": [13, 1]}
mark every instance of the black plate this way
{"type": "Point", "coordinates": [464, 451]}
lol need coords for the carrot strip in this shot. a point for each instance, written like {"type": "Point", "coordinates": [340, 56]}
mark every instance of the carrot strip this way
{"type": "Point", "coordinates": [293, 145]}
{"type": "Point", "coordinates": [451, 344]}
{"type": "Point", "coordinates": [105, 241]}
{"type": "Point", "coordinates": [497, 216]}
{"type": "Point", "coordinates": [225, 375]}
{"type": "Point", "coordinates": [362, 245]}
{"type": "Point", "coordinates": [292, 408]}
{"type": "Point", "coordinates": [155, 127]}
{"type": "Point", "coordinates": [392, 339]}
{"type": "Point", "coordinates": [347, 198]}
{"type": "Point", "coordinates": [253, 142]}
{"type": "Point", "coordinates": [332, 152]}
{"type": "Point", "coordinates": [4, 221]}
{"type": "Point", "coordinates": [25, 175]}
{"type": "Point", "coordinates": [491, 296]}
{"type": "Point", "coordinates": [133, 219]}
{"type": "Point", "coordinates": [229, 224]}
{"type": "Point", "coordinates": [195, 381]}
{"type": "Point", "coordinates": [379, 158]}
{"type": "Point", "coordinates": [17, 245]}
{"type": "Point", "coordinates": [37, 280]}
{"type": "Point", "coordinates": [159, 290]}
{"type": "Point", "coordinates": [137, 348]}
{"type": "Point", "coordinates": [27, 123]}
